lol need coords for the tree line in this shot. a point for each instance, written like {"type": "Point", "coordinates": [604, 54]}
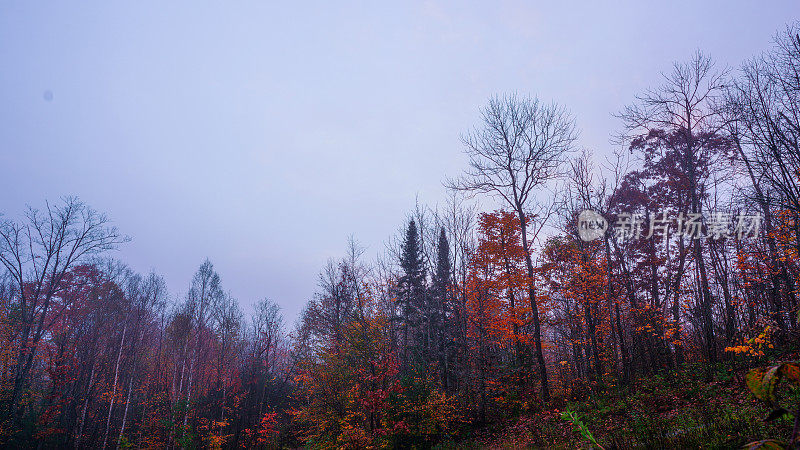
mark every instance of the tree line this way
{"type": "Point", "coordinates": [468, 318]}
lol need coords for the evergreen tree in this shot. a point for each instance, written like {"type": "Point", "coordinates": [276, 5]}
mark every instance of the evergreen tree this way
{"type": "Point", "coordinates": [411, 297]}
{"type": "Point", "coordinates": [441, 279]}
{"type": "Point", "coordinates": [440, 299]}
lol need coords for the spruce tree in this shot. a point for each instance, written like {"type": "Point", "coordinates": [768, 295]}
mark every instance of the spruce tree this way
{"type": "Point", "coordinates": [440, 305]}
{"type": "Point", "coordinates": [411, 296]}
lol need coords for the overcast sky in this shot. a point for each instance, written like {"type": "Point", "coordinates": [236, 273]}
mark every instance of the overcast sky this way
{"type": "Point", "coordinates": [262, 134]}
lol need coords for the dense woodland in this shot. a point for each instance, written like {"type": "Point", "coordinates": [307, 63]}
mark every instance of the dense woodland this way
{"type": "Point", "coordinates": [473, 328]}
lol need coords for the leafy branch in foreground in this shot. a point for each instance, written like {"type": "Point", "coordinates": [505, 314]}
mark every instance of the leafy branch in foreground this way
{"type": "Point", "coordinates": [763, 383]}
{"type": "Point", "coordinates": [580, 427]}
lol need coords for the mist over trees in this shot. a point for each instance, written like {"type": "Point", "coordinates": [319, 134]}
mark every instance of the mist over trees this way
{"type": "Point", "coordinates": [470, 321]}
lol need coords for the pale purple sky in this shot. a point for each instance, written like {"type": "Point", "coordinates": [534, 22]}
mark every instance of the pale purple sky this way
{"type": "Point", "coordinates": [262, 135]}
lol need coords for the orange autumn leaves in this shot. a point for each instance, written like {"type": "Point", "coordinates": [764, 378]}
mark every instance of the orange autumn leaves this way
{"type": "Point", "coordinates": [497, 297]}
{"type": "Point", "coordinates": [497, 286]}
{"type": "Point", "coordinates": [346, 388]}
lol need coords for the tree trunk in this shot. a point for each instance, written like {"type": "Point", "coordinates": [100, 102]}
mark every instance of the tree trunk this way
{"type": "Point", "coordinates": [537, 330]}
{"type": "Point", "coordinates": [125, 414]}
{"type": "Point", "coordinates": [114, 388]}
{"type": "Point", "coordinates": [85, 409]}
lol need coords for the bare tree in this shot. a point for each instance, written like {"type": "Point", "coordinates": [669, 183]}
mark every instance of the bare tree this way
{"type": "Point", "coordinates": [146, 297]}
{"type": "Point", "coordinates": [267, 333]}
{"type": "Point", "coordinates": [203, 300]}
{"type": "Point", "coordinates": [766, 108]}
{"type": "Point", "coordinates": [520, 147]}
{"type": "Point", "coordinates": [682, 115]}
{"type": "Point", "coordinates": [584, 192]}
{"type": "Point", "coordinates": [38, 252]}
{"type": "Point", "coordinates": [459, 221]}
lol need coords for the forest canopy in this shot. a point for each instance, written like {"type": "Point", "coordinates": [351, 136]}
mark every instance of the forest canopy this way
{"type": "Point", "coordinates": [675, 325]}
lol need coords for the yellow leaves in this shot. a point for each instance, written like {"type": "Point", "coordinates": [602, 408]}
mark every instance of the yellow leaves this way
{"type": "Point", "coordinates": [741, 349]}
{"type": "Point", "coordinates": [215, 442]}
{"type": "Point", "coordinates": [754, 346]}
{"type": "Point", "coordinates": [436, 415]}
{"type": "Point", "coordinates": [211, 431]}
{"type": "Point", "coordinates": [345, 396]}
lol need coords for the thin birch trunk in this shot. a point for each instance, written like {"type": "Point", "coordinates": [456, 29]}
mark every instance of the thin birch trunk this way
{"type": "Point", "coordinates": [125, 414]}
{"type": "Point", "coordinates": [85, 408]}
{"type": "Point", "coordinates": [114, 388]}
